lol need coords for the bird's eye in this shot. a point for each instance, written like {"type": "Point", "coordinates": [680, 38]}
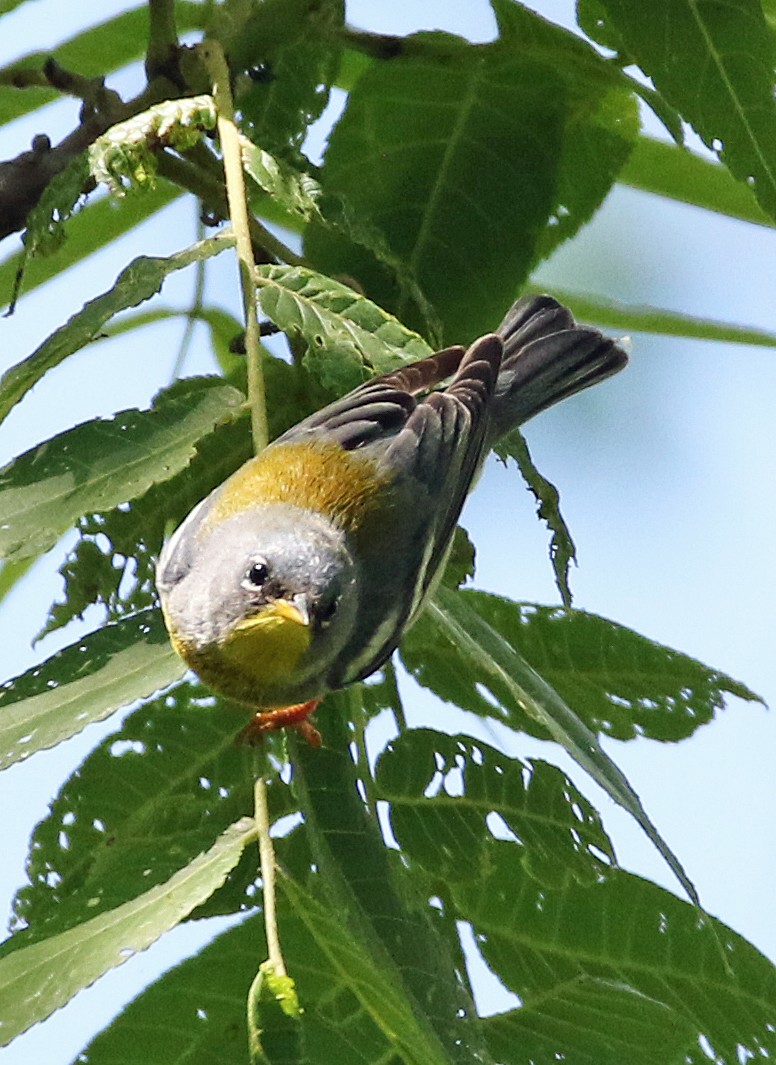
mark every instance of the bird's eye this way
{"type": "Point", "coordinates": [257, 574]}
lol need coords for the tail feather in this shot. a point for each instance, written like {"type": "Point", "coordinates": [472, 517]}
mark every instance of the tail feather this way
{"type": "Point", "coordinates": [547, 357]}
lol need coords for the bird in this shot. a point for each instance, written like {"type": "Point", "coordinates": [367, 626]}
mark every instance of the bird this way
{"type": "Point", "coordinates": [299, 575]}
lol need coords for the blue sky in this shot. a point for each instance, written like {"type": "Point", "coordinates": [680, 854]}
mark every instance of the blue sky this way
{"type": "Point", "coordinates": [666, 478]}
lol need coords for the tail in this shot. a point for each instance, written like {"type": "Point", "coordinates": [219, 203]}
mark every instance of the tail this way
{"type": "Point", "coordinates": [547, 357]}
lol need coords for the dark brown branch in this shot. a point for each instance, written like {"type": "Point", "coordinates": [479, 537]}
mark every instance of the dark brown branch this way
{"type": "Point", "coordinates": [23, 179]}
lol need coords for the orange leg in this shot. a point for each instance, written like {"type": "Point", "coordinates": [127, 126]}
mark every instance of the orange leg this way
{"type": "Point", "coordinates": [295, 716]}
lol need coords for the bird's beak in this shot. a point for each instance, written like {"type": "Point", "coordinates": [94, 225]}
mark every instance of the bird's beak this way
{"type": "Point", "coordinates": [295, 609]}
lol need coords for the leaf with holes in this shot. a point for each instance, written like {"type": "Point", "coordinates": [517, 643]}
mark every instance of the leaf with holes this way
{"type": "Point", "coordinates": [569, 954]}
{"type": "Point", "coordinates": [714, 63]}
{"type": "Point", "coordinates": [142, 805]}
{"type": "Point", "coordinates": [449, 795]}
{"type": "Point", "coordinates": [85, 682]}
{"type": "Point", "coordinates": [347, 335]}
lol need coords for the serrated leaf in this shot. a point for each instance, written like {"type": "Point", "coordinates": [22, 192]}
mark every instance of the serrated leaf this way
{"type": "Point", "coordinates": [142, 805]}
{"type": "Point", "coordinates": [345, 333]}
{"type": "Point", "coordinates": [472, 648]}
{"type": "Point", "coordinates": [562, 549]}
{"type": "Point", "coordinates": [83, 683]}
{"type": "Point", "coordinates": [186, 1016]}
{"type": "Point", "coordinates": [714, 63]}
{"type": "Point", "coordinates": [38, 979]}
{"type": "Point", "coordinates": [629, 933]}
{"type": "Point", "coordinates": [105, 462]}
{"type": "Point", "coordinates": [97, 224]}
{"type": "Point", "coordinates": [601, 121]}
{"type": "Point", "coordinates": [137, 282]}
{"type": "Point", "coordinates": [493, 152]}
{"type": "Point", "coordinates": [460, 564]}
{"type": "Point", "coordinates": [445, 792]}
{"type": "Point", "coordinates": [293, 190]}
{"type": "Point", "coordinates": [620, 683]}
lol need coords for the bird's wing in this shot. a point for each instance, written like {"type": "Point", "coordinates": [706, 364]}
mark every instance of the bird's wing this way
{"type": "Point", "coordinates": [432, 458]}
{"type": "Point", "coordinates": [379, 408]}
{"type": "Point", "coordinates": [440, 446]}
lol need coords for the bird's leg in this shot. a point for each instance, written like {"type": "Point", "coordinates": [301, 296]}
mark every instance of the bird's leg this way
{"type": "Point", "coordinates": [295, 716]}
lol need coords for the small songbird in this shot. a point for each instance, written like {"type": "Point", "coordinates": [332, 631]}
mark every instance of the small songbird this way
{"type": "Point", "coordinates": [302, 571]}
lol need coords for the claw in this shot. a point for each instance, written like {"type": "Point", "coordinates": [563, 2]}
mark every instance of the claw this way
{"type": "Point", "coordinates": [295, 716]}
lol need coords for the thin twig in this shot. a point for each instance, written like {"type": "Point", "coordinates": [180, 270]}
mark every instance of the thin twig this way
{"type": "Point", "coordinates": [213, 57]}
{"type": "Point", "coordinates": [162, 38]}
{"type": "Point", "coordinates": [267, 861]}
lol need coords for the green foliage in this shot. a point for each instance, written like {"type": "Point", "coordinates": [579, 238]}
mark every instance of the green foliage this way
{"type": "Point", "coordinates": [425, 127]}
{"type": "Point", "coordinates": [453, 170]}
{"type": "Point", "coordinates": [562, 549]}
{"type": "Point", "coordinates": [723, 85]}
{"type": "Point", "coordinates": [101, 464]}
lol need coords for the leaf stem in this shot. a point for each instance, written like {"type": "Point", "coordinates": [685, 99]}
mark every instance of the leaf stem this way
{"type": "Point", "coordinates": [267, 862]}
{"type": "Point", "coordinates": [213, 57]}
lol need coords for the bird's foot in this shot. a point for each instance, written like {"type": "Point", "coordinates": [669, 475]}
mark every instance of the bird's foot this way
{"type": "Point", "coordinates": [295, 716]}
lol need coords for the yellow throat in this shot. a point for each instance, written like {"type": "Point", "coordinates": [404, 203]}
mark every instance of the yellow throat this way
{"type": "Point", "coordinates": [268, 645]}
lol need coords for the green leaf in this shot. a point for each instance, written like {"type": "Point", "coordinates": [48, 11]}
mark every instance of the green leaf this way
{"type": "Point", "coordinates": [186, 1015]}
{"type": "Point", "coordinates": [474, 654]}
{"type": "Point", "coordinates": [45, 231]}
{"type": "Point", "coordinates": [620, 683]}
{"type": "Point", "coordinates": [142, 805]}
{"type": "Point", "coordinates": [562, 549]}
{"type": "Point", "coordinates": [460, 564]}
{"type": "Point", "coordinates": [667, 170]}
{"type": "Point", "coordinates": [291, 48]}
{"type": "Point", "coordinates": [368, 978]}
{"type": "Point", "coordinates": [562, 950]}
{"type": "Point", "coordinates": [293, 190]}
{"type": "Point", "coordinates": [494, 152]}
{"type": "Point", "coordinates": [386, 915]}
{"type": "Point", "coordinates": [97, 224]}
{"type": "Point", "coordinates": [40, 978]}
{"type": "Point", "coordinates": [612, 315]}
{"type": "Point", "coordinates": [83, 683]}
{"type": "Point", "coordinates": [601, 121]}
{"type": "Point", "coordinates": [450, 795]}
{"type": "Point", "coordinates": [137, 282]}
{"type": "Point", "coordinates": [103, 463]}
{"type": "Point", "coordinates": [714, 63]}
{"type": "Point", "coordinates": [346, 334]}
{"type": "Point", "coordinates": [566, 1024]}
